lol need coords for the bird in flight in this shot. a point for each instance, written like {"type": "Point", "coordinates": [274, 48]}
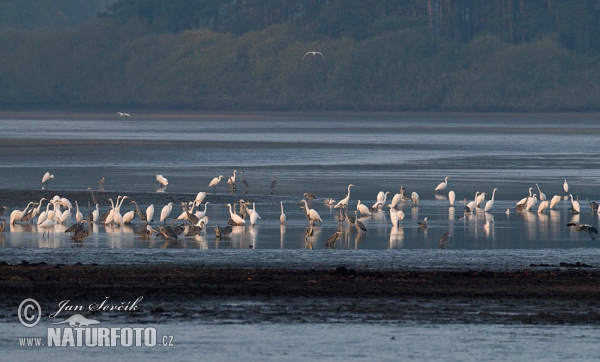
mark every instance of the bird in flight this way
{"type": "Point", "coordinates": [314, 53]}
{"type": "Point", "coordinates": [123, 114]}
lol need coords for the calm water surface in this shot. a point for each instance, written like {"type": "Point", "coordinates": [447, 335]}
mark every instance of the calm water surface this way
{"type": "Point", "coordinates": [321, 154]}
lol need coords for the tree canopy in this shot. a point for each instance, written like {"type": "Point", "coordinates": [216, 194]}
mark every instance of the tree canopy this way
{"type": "Point", "coordinates": [497, 55]}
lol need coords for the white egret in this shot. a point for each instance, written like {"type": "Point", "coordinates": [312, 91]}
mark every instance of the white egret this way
{"type": "Point", "coordinates": [150, 213]}
{"type": "Point", "coordinates": [123, 114]}
{"type": "Point", "coordinates": [414, 197]}
{"type": "Point", "coordinates": [162, 180]}
{"type": "Point", "coordinates": [345, 200]}
{"type": "Point", "coordinates": [480, 199]}
{"type": "Point", "coordinates": [543, 206]}
{"type": "Point", "coordinates": [231, 180]}
{"type": "Point", "coordinates": [46, 178]}
{"type": "Point", "coordinates": [128, 216]}
{"type": "Point", "coordinates": [199, 198]}
{"type": "Point", "coordinates": [393, 215]}
{"type": "Point", "coordinates": [282, 217]}
{"type": "Point", "coordinates": [44, 214]}
{"type": "Point", "coordinates": [542, 195]}
{"type": "Point", "coordinates": [442, 185]}
{"type": "Point", "coordinates": [381, 197]}
{"type": "Point", "coordinates": [490, 203]}
{"type": "Point", "coordinates": [471, 204]}
{"type": "Point", "coordinates": [65, 215]}
{"type": "Point", "coordinates": [531, 202]}
{"type": "Point", "coordinates": [314, 53]}
{"type": "Point", "coordinates": [165, 212]}
{"type": "Point", "coordinates": [400, 214]}
{"type": "Point", "coordinates": [17, 215]}
{"type": "Point", "coordinates": [363, 209]}
{"type": "Point", "coordinates": [96, 214]}
{"type": "Point", "coordinates": [78, 214]}
{"type": "Point", "coordinates": [237, 219]}
{"type": "Point", "coordinates": [47, 225]}
{"type": "Point", "coordinates": [575, 205]}
{"type": "Point", "coordinates": [395, 200]}
{"type": "Point", "coordinates": [311, 214]}
{"type": "Point", "coordinates": [554, 201]}
{"type": "Point", "coordinates": [451, 197]}
{"type": "Point", "coordinates": [524, 200]}
{"type": "Point", "coordinates": [200, 214]}
{"type": "Point", "coordinates": [215, 181]}
{"type": "Point", "coordinates": [252, 214]}
{"type": "Point", "coordinates": [111, 213]}
{"type": "Point", "coordinates": [566, 187]}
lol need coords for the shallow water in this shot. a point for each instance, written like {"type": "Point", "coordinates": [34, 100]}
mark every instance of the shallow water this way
{"type": "Point", "coordinates": [331, 341]}
{"type": "Point", "coordinates": [320, 154]}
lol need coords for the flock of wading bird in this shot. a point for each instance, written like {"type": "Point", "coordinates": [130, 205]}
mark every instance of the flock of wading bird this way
{"type": "Point", "coordinates": [197, 219]}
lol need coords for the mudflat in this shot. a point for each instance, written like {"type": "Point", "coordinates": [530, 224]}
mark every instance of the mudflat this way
{"type": "Point", "coordinates": [567, 294]}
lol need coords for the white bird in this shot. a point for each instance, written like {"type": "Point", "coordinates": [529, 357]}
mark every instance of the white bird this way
{"type": "Point", "coordinates": [363, 209]}
{"type": "Point", "coordinates": [253, 215]}
{"type": "Point", "coordinates": [282, 217]}
{"type": "Point", "coordinates": [414, 197]}
{"type": "Point", "coordinates": [47, 176]}
{"type": "Point", "coordinates": [123, 114]}
{"type": "Point", "coordinates": [165, 212]}
{"type": "Point", "coordinates": [381, 197]}
{"type": "Point", "coordinates": [17, 215]}
{"type": "Point", "coordinates": [442, 185]}
{"type": "Point", "coordinates": [542, 195]}
{"type": "Point", "coordinates": [524, 200]}
{"type": "Point", "coordinates": [78, 214]}
{"type": "Point", "coordinates": [566, 186]}
{"type": "Point", "coordinates": [65, 215]}
{"type": "Point", "coordinates": [531, 202]}
{"type": "Point", "coordinates": [480, 199]}
{"type": "Point", "coordinates": [231, 180]}
{"type": "Point", "coordinates": [150, 213]}
{"type": "Point", "coordinates": [200, 214]}
{"type": "Point", "coordinates": [423, 224]}
{"type": "Point", "coordinates": [44, 214]}
{"type": "Point", "coordinates": [395, 200]}
{"type": "Point", "coordinates": [543, 206]}
{"type": "Point", "coordinates": [237, 219]}
{"type": "Point", "coordinates": [162, 180]}
{"type": "Point", "coordinates": [199, 198]}
{"type": "Point", "coordinates": [314, 53]}
{"type": "Point", "coordinates": [400, 214]}
{"type": "Point", "coordinates": [96, 214]}
{"type": "Point", "coordinates": [128, 216]}
{"type": "Point", "coordinates": [451, 197]}
{"type": "Point", "coordinates": [554, 201]}
{"type": "Point", "coordinates": [575, 205]}
{"type": "Point", "coordinates": [344, 201]}
{"type": "Point", "coordinates": [490, 203]}
{"type": "Point", "coordinates": [215, 181]}
{"type": "Point", "coordinates": [47, 225]}
{"type": "Point", "coordinates": [111, 213]}
{"type": "Point", "coordinates": [393, 215]}
{"type": "Point", "coordinates": [311, 214]}
{"type": "Point", "coordinates": [471, 204]}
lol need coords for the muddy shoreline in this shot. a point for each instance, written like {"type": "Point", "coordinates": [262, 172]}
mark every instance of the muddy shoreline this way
{"type": "Point", "coordinates": [568, 295]}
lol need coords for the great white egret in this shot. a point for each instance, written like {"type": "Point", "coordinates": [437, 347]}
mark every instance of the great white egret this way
{"type": "Point", "coordinates": [199, 198]}
{"type": "Point", "coordinates": [314, 53]}
{"type": "Point", "coordinates": [252, 214]}
{"type": "Point", "coordinates": [554, 201]}
{"type": "Point", "coordinates": [531, 202]}
{"type": "Point", "coordinates": [282, 217]}
{"type": "Point", "coordinates": [231, 180]}
{"type": "Point", "coordinates": [200, 214]}
{"type": "Point", "coordinates": [363, 209]}
{"type": "Point", "coordinates": [237, 219]}
{"type": "Point", "coordinates": [215, 181]}
{"type": "Point", "coordinates": [78, 214]}
{"type": "Point", "coordinates": [480, 199]}
{"type": "Point", "coordinates": [311, 214]}
{"type": "Point", "coordinates": [165, 212]}
{"type": "Point", "coordinates": [542, 195]}
{"type": "Point", "coordinates": [543, 206]}
{"type": "Point", "coordinates": [575, 205]}
{"type": "Point", "coordinates": [150, 213]}
{"type": "Point", "coordinates": [442, 185]}
{"type": "Point", "coordinates": [381, 197]}
{"type": "Point", "coordinates": [46, 178]}
{"type": "Point", "coordinates": [490, 203]}
{"type": "Point", "coordinates": [393, 215]}
{"type": "Point", "coordinates": [524, 200]}
{"type": "Point", "coordinates": [414, 197]}
{"type": "Point", "coordinates": [451, 197]}
{"type": "Point", "coordinates": [345, 200]}
{"type": "Point", "coordinates": [566, 187]}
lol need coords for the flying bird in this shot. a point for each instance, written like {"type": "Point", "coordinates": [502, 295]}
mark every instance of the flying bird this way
{"type": "Point", "coordinates": [584, 227]}
{"type": "Point", "coordinates": [314, 53]}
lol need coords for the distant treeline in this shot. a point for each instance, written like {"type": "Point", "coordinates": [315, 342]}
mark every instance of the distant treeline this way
{"type": "Point", "coordinates": [440, 55]}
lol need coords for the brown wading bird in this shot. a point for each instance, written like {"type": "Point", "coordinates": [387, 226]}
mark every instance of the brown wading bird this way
{"type": "Point", "coordinates": [333, 238]}
{"type": "Point", "coordinates": [2, 226]}
{"type": "Point", "coordinates": [145, 233]}
{"type": "Point", "coordinates": [81, 234]}
{"type": "Point", "coordinates": [584, 227]}
{"type": "Point", "coordinates": [444, 240]}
